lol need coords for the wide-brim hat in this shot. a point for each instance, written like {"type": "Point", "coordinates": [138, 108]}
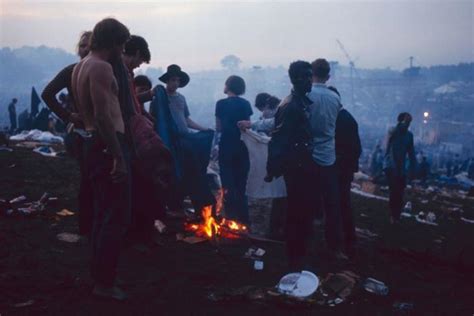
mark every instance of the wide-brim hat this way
{"type": "Point", "coordinates": [175, 70]}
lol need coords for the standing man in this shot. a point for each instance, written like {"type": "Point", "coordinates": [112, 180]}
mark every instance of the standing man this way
{"type": "Point", "coordinates": [136, 53]}
{"type": "Point", "coordinates": [348, 151]}
{"type": "Point", "coordinates": [12, 114]}
{"type": "Point", "coordinates": [106, 151]}
{"type": "Point", "coordinates": [324, 110]}
{"type": "Point", "coordinates": [399, 146]}
{"type": "Point", "coordinates": [74, 140]}
{"type": "Point", "coordinates": [289, 155]}
{"type": "Point", "coordinates": [176, 78]}
{"type": "Point", "coordinates": [193, 149]}
{"type": "Point", "coordinates": [145, 202]}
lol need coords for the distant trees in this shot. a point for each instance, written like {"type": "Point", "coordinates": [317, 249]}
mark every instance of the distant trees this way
{"type": "Point", "coordinates": [231, 62]}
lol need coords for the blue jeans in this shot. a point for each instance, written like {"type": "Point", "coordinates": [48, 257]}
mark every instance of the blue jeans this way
{"type": "Point", "coordinates": [112, 211]}
{"type": "Point", "coordinates": [234, 169]}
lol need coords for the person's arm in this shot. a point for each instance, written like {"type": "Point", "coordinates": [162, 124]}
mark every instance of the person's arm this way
{"type": "Point", "coordinates": [146, 96]}
{"type": "Point", "coordinates": [191, 124]}
{"type": "Point", "coordinates": [52, 89]}
{"type": "Point", "coordinates": [263, 125]}
{"type": "Point", "coordinates": [102, 95]}
{"type": "Point", "coordinates": [194, 125]}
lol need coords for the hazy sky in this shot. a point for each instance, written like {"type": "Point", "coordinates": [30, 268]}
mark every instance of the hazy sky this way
{"type": "Point", "coordinates": [197, 34]}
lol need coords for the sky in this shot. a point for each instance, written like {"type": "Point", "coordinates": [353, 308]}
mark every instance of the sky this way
{"type": "Point", "coordinates": [197, 34]}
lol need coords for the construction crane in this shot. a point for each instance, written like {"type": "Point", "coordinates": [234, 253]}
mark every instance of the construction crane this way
{"type": "Point", "coordinates": [352, 68]}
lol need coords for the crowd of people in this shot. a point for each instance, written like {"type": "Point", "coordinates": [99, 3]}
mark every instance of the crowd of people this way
{"type": "Point", "coordinates": [135, 165]}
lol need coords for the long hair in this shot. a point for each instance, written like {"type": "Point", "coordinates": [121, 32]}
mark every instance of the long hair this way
{"type": "Point", "coordinates": [108, 33]}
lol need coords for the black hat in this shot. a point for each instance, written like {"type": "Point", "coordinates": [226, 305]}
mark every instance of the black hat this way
{"type": "Point", "coordinates": [175, 70]}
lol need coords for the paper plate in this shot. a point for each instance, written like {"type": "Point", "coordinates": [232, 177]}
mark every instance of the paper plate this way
{"type": "Point", "coordinates": [301, 284]}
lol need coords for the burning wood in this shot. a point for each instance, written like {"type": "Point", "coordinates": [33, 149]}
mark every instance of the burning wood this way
{"type": "Point", "coordinates": [213, 226]}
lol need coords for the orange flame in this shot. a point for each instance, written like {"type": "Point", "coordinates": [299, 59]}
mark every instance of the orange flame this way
{"type": "Point", "coordinates": [211, 227]}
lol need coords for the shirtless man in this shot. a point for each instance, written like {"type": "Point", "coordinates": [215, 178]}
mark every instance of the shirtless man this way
{"type": "Point", "coordinates": [106, 153]}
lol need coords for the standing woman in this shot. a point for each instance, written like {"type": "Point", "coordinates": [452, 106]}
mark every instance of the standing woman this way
{"type": "Point", "coordinates": [234, 161]}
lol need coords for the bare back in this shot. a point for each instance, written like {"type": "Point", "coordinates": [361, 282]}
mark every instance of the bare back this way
{"type": "Point", "coordinates": [96, 92]}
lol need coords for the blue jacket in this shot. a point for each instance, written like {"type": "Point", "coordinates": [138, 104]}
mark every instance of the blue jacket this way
{"type": "Point", "coordinates": [166, 127]}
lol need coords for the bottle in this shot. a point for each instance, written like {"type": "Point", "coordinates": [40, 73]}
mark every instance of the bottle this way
{"type": "Point", "coordinates": [375, 286]}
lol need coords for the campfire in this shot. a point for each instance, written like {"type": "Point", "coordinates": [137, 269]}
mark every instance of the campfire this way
{"type": "Point", "coordinates": [215, 226]}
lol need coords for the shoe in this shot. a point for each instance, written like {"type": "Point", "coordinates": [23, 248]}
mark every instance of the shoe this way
{"type": "Point", "coordinates": [112, 292]}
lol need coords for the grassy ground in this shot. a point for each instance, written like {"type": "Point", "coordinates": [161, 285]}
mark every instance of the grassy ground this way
{"type": "Point", "coordinates": [429, 266]}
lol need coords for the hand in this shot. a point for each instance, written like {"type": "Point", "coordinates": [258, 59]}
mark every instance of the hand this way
{"type": "Point", "coordinates": [75, 118]}
{"type": "Point", "coordinates": [119, 170]}
{"type": "Point", "coordinates": [244, 124]}
{"type": "Point", "coordinates": [268, 178]}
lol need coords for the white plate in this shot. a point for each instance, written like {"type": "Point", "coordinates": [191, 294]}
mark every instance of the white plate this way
{"type": "Point", "coordinates": [301, 284]}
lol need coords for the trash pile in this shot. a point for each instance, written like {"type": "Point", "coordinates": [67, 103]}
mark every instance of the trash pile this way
{"type": "Point", "coordinates": [20, 205]}
{"type": "Point", "coordinates": [255, 254]}
{"type": "Point", "coordinates": [298, 288]}
{"type": "Point", "coordinates": [37, 136]}
{"type": "Point", "coordinates": [428, 218]}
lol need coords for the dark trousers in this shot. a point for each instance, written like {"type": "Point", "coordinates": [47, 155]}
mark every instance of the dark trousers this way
{"type": "Point", "coordinates": [328, 192]}
{"type": "Point", "coordinates": [146, 207]}
{"type": "Point", "coordinates": [347, 216]}
{"type": "Point", "coordinates": [396, 184]}
{"type": "Point", "coordinates": [75, 147]}
{"type": "Point", "coordinates": [306, 188]}
{"type": "Point", "coordinates": [86, 201]}
{"type": "Point", "coordinates": [299, 215]}
{"type": "Point", "coordinates": [13, 125]}
{"type": "Point", "coordinates": [111, 209]}
{"type": "Point", "coordinates": [234, 169]}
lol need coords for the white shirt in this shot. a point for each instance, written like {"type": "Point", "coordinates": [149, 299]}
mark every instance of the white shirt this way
{"type": "Point", "coordinates": [323, 115]}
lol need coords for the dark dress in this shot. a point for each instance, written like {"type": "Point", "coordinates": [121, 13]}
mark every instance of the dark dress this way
{"type": "Point", "coordinates": [234, 161]}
